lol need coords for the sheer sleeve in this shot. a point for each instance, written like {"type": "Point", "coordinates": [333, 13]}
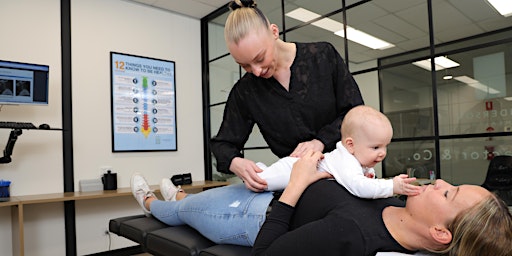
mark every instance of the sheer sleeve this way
{"type": "Point", "coordinates": [233, 133]}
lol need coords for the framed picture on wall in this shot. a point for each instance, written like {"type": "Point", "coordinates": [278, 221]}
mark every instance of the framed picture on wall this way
{"type": "Point", "coordinates": [143, 103]}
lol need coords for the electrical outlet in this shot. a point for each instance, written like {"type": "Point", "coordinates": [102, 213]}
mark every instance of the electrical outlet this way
{"type": "Point", "coordinates": [104, 169]}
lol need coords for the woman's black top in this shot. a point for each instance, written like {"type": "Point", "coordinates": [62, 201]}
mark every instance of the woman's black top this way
{"type": "Point", "coordinates": [327, 220]}
{"type": "Point", "coordinates": [321, 92]}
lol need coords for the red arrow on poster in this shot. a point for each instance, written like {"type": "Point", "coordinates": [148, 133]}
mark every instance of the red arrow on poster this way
{"type": "Point", "coordinates": [488, 105]}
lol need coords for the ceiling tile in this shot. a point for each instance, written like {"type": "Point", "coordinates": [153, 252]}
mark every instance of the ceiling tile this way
{"type": "Point", "coordinates": [194, 8]}
{"type": "Point", "coordinates": [399, 26]}
{"type": "Point", "coordinates": [416, 16]}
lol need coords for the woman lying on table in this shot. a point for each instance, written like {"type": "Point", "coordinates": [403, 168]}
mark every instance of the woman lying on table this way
{"type": "Point", "coordinates": [315, 217]}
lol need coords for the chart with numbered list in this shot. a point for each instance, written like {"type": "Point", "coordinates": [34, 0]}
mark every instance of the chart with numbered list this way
{"type": "Point", "coordinates": [143, 103]}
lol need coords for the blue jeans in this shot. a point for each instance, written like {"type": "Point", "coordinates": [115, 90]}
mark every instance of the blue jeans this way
{"type": "Point", "coordinates": [226, 215]}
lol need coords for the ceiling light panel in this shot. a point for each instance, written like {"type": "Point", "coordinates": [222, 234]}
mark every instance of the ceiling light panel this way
{"type": "Point", "coordinates": [302, 14]}
{"type": "Point", "coordinates": [440, 62]}
{"type": "Point", "coordinates": [445, 62]}
{"type": "Point", "coordinates": [504, 7]}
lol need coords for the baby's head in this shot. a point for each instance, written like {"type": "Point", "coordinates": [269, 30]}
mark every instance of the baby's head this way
{"type": "Point", "coordinates": [365, 133]}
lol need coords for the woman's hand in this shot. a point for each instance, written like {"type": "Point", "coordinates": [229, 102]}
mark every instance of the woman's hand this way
{"type": "Point", "coordinates": [248, 172]}
{"type": "Point", "coordinates": [303, 147]}
{"type": "Point", "coordinates": [304, 173]}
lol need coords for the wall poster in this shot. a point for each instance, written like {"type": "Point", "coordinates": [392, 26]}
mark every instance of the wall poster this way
{"type": "Point", "coordinates": [143, 103]}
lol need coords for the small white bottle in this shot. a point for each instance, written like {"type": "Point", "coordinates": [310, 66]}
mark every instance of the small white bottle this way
{"type": "Point", "coordinates": [432, 175]}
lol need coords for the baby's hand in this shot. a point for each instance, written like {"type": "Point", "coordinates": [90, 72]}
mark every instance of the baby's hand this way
{"type": "Point", "coordinates": [402, 185]}
{"type": "Point", "coordinates": [370, 175]}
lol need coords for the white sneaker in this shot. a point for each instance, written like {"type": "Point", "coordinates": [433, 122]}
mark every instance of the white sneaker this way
{"type": "Point", "coordinates": [168, 190]}
{"type": "Point", "coordinates": [141, 191]}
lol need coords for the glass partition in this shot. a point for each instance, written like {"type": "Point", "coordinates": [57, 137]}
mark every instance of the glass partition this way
{"type": "Point", "coordinates": [465, 161]}
{"type": "Point", "coordinates": [406, 93]}
{"type": "Point", "coordinates": [216, 113]}
{"type": "Point", "coordinates": [224, 72]}
{"type": "Point", "coordinates": [419, 157]}
{"type": "Point", "coordinates": [475, 97]}
{"type": "Point", "coordinates": [216, 43]}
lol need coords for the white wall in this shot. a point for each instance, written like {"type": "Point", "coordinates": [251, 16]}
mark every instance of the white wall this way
{"type": "Point", "coordinates": [130, 28]}
{"type": "Point", "coordinates": [31, 33]}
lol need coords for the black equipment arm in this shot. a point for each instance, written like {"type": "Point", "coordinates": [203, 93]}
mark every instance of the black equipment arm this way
{"type": "Point", "coordinates": [10, 145]}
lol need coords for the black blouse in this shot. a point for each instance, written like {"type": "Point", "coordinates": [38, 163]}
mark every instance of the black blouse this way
{"type": "Point", "coordinates": [327, 220]}
{"type": "Point", "coordinates": [321, 92]}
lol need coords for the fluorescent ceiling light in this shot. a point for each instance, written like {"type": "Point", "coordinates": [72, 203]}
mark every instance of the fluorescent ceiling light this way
{"type": "Point", "coordinates": [447, 77]}
{"type": "Point", "coordinates": [302, 14]}
{"type": "Point", "coordinates": [353, 34]}
{"type": "Point", "coordinates": [504, 7]}
{"type": "Point", "coordinates": [445, 62]}
{"type": "Point", "coordinates": [425, 64]}
{"type": "Point", "coordinates": [329, 24]}
{"type": "Point", "coordinates": [476, 84]}
{"type": "Point", "coordinates": [440, 63]}
{"type": "Point", "coordinates": [361, 37]}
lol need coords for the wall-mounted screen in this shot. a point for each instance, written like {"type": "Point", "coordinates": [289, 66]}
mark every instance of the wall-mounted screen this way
{"type": "Point", "coordinates": [23, 83]}
{"type": "Point", "coordinates": [143, 103]}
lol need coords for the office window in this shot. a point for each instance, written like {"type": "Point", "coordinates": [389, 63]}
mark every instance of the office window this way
{"type": "Point", "coordinates": [406, 95]}
{"type": "Point", "coordinates": [465, 161]}
{"type": "Point", "coordinates": [475, 96]}
{"type": "Point", "coordinates": [418, 156]}
{"type": "Point", "coordinates": [224, 72]}
{"type": "Point", "coordinates": [216, 43]}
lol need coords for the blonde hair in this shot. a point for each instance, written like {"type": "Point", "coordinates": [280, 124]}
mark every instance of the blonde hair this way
{"type": "Point", "coordinates": [244, 17]}
{"type": "Point", "coordinates": [358, 117]}
{"type": "Point", "coordinates": [483, 230]}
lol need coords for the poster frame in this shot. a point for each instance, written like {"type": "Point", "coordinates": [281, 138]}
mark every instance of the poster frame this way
{"type": "Point", "coordinates": [143, 114]}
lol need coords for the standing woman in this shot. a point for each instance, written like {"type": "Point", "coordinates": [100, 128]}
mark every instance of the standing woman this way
{"type": "Point", "coordinates": [297, 94]}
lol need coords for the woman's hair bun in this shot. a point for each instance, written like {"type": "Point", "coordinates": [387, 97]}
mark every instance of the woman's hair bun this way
{"type": "Point", "coordinates": [242, 3]}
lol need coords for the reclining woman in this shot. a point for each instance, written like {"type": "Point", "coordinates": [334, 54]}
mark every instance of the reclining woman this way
{"type": "Point", "coordinates": [315, 216]}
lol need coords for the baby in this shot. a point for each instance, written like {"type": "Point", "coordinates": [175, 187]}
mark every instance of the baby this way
{"type": "Point", "coordinates": [365, 135]}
